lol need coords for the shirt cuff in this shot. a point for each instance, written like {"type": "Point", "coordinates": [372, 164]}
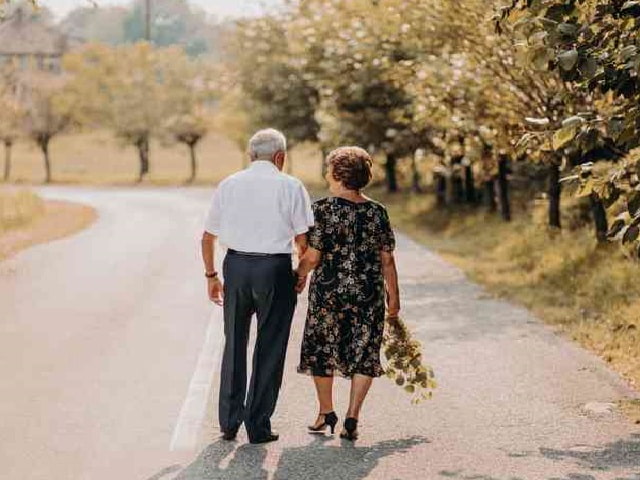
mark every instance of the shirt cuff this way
{"type": "Point", "coordinates": [302, 229]}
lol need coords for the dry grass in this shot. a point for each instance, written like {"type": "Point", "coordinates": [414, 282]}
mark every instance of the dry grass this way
{"type": "Point", "coordinates": [18, 208]}
{"type": "Point", "coordinates": [98, 158]}
{"type": "Point", "coordinates": [590, 292]}
{"type": "Point", "coordinates": [26, 220]}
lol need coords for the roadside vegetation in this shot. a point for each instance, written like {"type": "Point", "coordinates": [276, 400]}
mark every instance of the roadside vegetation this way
{"type": "Point", "coordinates": [18, 208]}
{"type": "Point", "coordinates": [588, 292]}
{"type": "Point", "coordinates": [26, 220]}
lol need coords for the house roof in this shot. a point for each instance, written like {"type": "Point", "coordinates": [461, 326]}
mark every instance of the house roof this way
{"type": "Point", "coordinates": [22, 35]}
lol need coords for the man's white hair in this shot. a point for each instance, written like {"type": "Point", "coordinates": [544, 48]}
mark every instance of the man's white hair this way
{"type": "Point", "coordinates": [265, 143]}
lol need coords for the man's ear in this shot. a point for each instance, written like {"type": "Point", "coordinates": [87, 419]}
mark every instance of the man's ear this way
{"type": "Point", "coordinates": [278, 159]}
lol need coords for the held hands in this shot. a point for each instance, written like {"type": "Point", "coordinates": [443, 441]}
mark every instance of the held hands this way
{"type": "Point", "coordinates": [215, 291]}
{"type": "Point", "coordinates": [301, 282]}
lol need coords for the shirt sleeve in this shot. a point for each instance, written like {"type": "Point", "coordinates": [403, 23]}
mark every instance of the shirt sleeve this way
{"type": "Point", "coordinates": [212, 222]}
{"type": "Point", "coordinates": [387, 237]}
{"type": "Point", "coordinates": [302, 214]}
{"type": "Point", "coordinates": [316, 233]}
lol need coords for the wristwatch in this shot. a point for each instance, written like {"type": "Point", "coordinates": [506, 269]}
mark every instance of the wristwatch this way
{"type": "Point", "coordinates": [211, 274]}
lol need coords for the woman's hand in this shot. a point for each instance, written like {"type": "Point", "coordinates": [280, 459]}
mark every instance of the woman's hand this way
{"type": "Point", "coordinates": [393, 310]}
{"type": "Point", "coordinates": [390, 274]}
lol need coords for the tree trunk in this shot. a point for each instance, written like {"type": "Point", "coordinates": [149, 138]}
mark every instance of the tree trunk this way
{"type": "Point", "coordinates": [143, 155]}
{"type": "Point", "coordinates": [324, 167]}
{"type": "Point", "coordinates": [441, 189]}
{"type": "Point", "coordinates": [415, 175]}
{"type": "Point", "coordinates": [471, 196]}
{"type": "Point", "coordinates": [456, 194]}
{"type": "Point", "coordinates": [44, 146]}
{"type": "Point", "coordinates": [391, 173]}
{"type": "Point", "coordinates": [599, 218]}
{"type": "Point", "coordinates": [503, 189]}
{"type": "Point", "coordinates": [194, 163]}
{"type": "Point", "coordinates": [457, 189]}
{"type": "Point", "coordinates": [8, 144]}
{"type": "Point", "coordinates": [490, 193]}
{"type": "Point", "coordinates": [554, 192]}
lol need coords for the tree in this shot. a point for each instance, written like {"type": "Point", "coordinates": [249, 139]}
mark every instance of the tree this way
{"type": "Point", "coordinates": [48, 111]}
{"type": "Point", "coordinates": [189, 87]}
{"type": "Point", "coordinates": [124, 89]}
{"type": "Point", "coordinates": [275, 90]}
{"type": "Point", "coordinates": [593, 45]}
{"type": "Point", "coordinates": [11, 114]}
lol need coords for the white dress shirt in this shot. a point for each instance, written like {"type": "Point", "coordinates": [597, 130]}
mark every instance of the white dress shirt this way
{"type": "Point", "coordinates": [259, 210]}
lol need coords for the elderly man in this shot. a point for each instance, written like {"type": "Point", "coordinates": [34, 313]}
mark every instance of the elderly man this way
{"type": "Point", "coordinates": [257, 214]}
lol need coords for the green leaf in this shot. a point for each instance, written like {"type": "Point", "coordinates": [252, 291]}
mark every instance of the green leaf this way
{"type": "Point", "coordinates": [630, 6]}
{"type": "Point", "coordinates": [568, 60]}
{"type": "Point", "coordinates": [563, 137]}
{"type": "Point", "coordinates": [567, 29]}
{"type": "Point", "coordinates": [631, 235]}
{"type": "Point", "coordinates": [617, 226]}
{"type": "Point", "coordinates": [574, 121]}
{"type": "Point", "coordinates": [633, 204]}
{"type": "Point", "coordinates": [586, 188]}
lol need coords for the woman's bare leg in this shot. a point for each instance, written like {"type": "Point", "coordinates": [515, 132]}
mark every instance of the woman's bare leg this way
{"type": "Point", "coordinates": [324, 390]}
{"type": "Point", "coordinates": [360, 385]}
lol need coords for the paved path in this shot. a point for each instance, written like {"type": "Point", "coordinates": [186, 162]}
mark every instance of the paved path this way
{"type": "Point", "coordinates": [109, 359]}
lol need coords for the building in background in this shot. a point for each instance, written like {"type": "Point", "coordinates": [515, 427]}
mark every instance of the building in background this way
{"type": "Point", "coordinates": [29, 40]}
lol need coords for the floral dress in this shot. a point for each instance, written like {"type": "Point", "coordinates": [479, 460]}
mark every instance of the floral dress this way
{"type": "Point", "coordinates": [345, 320]}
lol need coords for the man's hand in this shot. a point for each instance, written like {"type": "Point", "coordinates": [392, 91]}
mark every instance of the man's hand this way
{"type": "Point", "coordinates": [301, 282]}
{"type": "Point", "coordinates": [215, 291]}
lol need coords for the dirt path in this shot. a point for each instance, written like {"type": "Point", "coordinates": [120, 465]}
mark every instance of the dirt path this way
{"type": "Point", "coordinates": [109, 356]}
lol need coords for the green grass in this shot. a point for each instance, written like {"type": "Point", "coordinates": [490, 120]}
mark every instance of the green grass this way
{"type": "Point", "coordinates": [590, 292]}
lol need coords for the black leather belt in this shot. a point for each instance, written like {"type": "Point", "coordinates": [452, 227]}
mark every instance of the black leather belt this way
{"type": "Point", "coordinates": [231, 251]}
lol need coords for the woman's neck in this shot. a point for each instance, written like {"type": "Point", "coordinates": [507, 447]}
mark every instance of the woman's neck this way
{"type": "Point", "coordinates": [353, 195]}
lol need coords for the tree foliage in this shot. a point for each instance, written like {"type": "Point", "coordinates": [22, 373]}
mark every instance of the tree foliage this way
{"type": "Point", "coordinates": [138, 92]}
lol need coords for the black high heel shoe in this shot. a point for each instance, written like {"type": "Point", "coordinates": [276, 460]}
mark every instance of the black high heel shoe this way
{"type": "Point", "coordinates": [350, 429]}
{"type": "Point", "coordinates": [330, 420]}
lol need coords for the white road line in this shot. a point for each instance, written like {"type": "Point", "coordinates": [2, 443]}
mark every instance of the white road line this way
{"type": "Point", "coordinates": [187, 430]}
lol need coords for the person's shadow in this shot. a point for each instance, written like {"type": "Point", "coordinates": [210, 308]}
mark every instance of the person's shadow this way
{"type": "Point", "coordinates": [345, 462]}
{"type": "Point", "coordinates": [316, 460]}
{"type": "Point", "coordinates": [246, 463]}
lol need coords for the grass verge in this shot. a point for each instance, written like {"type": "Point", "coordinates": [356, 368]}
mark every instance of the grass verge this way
{"type": "Point", "coordinates": [26, 220]}
{"type": "Point", "coordinates": [590, 292]}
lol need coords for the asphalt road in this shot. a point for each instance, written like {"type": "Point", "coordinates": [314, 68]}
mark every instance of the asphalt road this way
{"type": "Point", "coordinates": [109, 360]}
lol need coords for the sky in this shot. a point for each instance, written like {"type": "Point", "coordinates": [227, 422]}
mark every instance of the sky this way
{"type": "Point", "coordinates": [220, 8]}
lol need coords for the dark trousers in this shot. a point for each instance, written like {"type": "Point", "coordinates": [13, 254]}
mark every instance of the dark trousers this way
{"type": "Point", "coordinates": [264, 286]}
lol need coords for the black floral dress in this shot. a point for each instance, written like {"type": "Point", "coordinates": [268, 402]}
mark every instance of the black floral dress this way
{"type": "Point", "coordinates": [345, 321]}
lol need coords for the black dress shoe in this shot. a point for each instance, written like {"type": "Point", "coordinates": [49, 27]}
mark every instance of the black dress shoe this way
{"type": "Point", "coordinates": [272, 437]}
{"type": "Point", "coordinates": [230, 435]}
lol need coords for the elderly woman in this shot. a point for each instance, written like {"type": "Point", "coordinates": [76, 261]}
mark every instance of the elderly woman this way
{"type": "Point", "coordinates": [351, 252]}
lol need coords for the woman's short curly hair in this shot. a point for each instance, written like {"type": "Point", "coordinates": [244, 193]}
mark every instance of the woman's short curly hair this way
{"type": "Point", "coordinates": [351, 167]}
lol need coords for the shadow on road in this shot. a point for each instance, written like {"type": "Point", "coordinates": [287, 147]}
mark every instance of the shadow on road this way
{"type": "Point", "coordinates": [222, 461]}
{"type": "Point", "coordinates": [619, 454]}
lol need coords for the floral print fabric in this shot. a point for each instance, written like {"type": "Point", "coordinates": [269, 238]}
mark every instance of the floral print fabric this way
{"type": "Point", "coordinates": [345, 320]}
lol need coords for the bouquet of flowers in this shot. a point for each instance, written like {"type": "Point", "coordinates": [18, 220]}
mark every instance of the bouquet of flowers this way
{"type": "Point", "coordinates": [404, 362]}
